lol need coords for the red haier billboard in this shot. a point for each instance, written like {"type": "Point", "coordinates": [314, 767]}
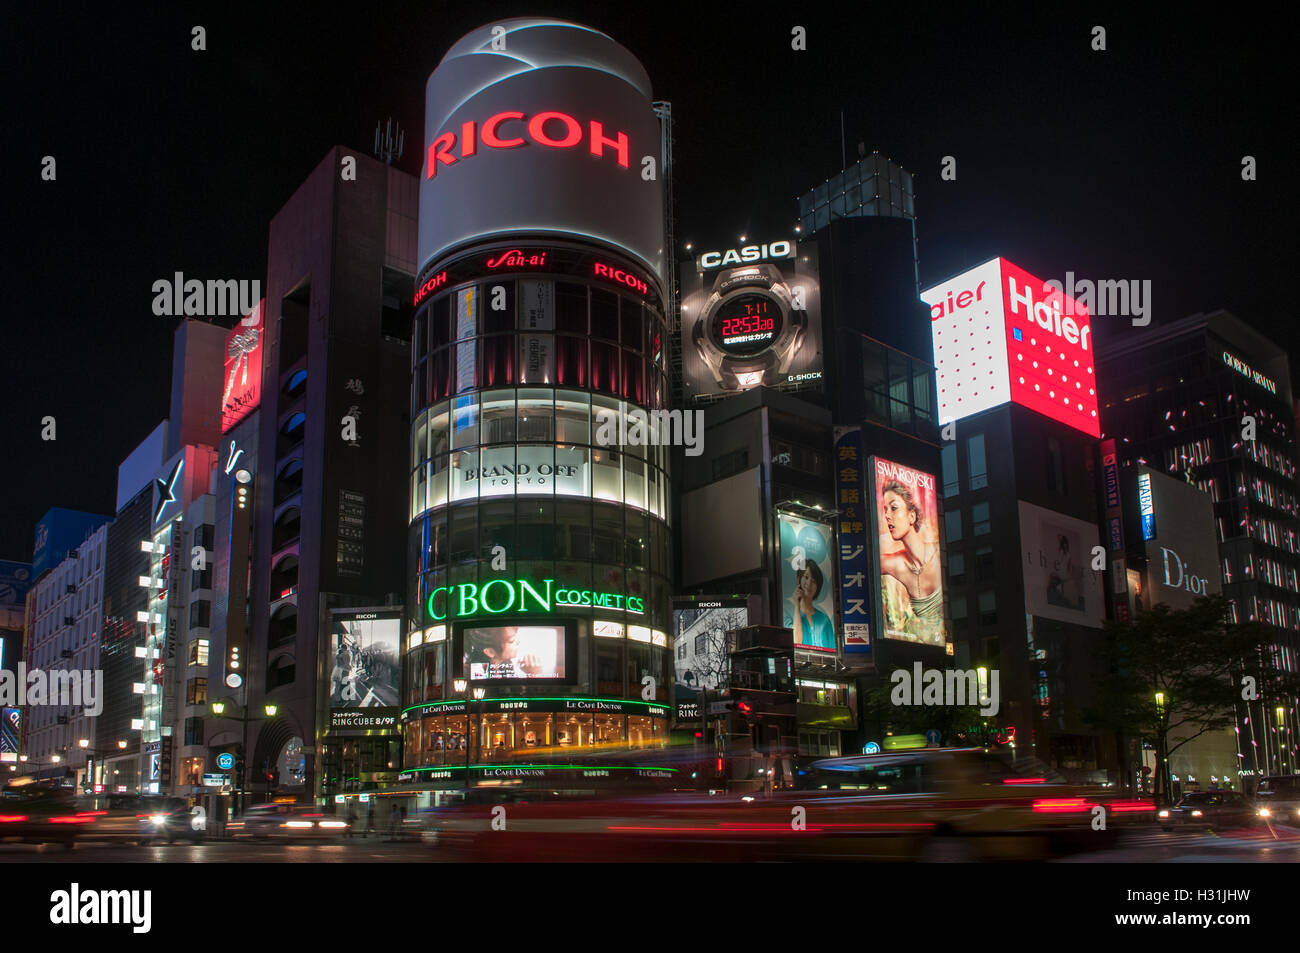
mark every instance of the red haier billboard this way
{"type": "Point", "coordinates": [1001, 335]}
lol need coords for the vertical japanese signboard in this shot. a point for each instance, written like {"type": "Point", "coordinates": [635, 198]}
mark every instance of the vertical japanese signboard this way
{"type": "Point", "coordinates": [855, 593]}
{"type": "Point", "coordinates": [1115, 528]}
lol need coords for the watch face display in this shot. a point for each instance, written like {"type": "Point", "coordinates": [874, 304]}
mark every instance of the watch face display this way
{"type": "Point", "coordinates": [747, 323]}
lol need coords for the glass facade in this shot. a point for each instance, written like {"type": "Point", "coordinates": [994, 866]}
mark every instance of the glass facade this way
{"type": "Point", "coordinates": [526, 389]}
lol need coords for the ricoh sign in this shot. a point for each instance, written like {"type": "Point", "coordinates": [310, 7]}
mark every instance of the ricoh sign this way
{"type": "Point", "coordinates": [1003, 336]}
{"type": "Point", "coordinates": [539, 127]}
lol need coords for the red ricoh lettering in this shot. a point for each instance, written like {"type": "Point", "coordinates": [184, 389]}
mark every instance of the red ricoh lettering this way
{"type": "Point", "coordinates": [437, 281]}
{"type": "Point", "coordinates": [618, 274]}
{"type": "Point", "coordinates": [512, 129]}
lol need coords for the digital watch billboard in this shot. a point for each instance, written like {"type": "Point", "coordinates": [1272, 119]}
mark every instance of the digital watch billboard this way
{"type": "Point", "coordinates": [524, 651]}
{"type": "Point", "coordinates": [751, 316]}
{"type": "Point", "coordinates": [808, 582]}
{"type": "Point", "coordinates": [535, 126]}
{"type": "Point", "coordinates": [908, 553]}
{"type": "Point", "coordinates": [1001, 335]}
{"type": "Point", "coordinates": [365, 659]}
{"type": "Point", "coordinates": [700, 657]}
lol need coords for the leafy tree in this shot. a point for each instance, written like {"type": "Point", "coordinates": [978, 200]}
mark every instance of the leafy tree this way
{"type": "Point", "coordinates": [1180, 672]}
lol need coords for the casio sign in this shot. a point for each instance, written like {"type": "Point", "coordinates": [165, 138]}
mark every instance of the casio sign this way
{"type": "Point", "coordinates": [742, 256]}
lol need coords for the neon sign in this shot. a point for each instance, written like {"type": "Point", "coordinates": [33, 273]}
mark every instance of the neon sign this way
{"type": "Point", "coordinates": [515, 258]}
{"type": "Point", "coordinates": [519, 595]}
{"type": "Point", "coordinates": [541, 128]}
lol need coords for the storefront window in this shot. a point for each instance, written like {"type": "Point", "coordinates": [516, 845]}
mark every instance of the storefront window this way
{"type": "Point", "coordinates": [573, 731]}
{"type": "Point", "coordinates": [607, 729]}
{"type": "Point", "coordinates": [533, 731]}
{"type": "Point", "coordinates": [645, 732]}
{"type": "Point", "coordinates": [496, 737]}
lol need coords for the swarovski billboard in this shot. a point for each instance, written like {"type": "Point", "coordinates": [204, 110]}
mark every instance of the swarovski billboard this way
{"type": "Point", "coordinates": [536, 126]}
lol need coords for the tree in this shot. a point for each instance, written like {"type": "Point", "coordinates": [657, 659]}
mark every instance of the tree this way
{"type": "Point", "coordinates": [1179, 672]}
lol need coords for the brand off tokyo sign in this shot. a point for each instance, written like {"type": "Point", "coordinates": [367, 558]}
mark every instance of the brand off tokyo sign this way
{"type": "Point", "coordinates": [1001, 335]}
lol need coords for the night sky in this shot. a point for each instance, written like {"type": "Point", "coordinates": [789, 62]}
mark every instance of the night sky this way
{"type": "Point", "coordinates": [1123, 164]}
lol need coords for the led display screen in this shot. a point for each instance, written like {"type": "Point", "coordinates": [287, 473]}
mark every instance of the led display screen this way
{"type": "Point", "coordinates": [909, 560]}
{"type": "Point", "coordinates": [1001, 335]}
{"type": "Point", "coordinates": [500, 653]}
{"type": "Point", "coordinates": [365, 661]}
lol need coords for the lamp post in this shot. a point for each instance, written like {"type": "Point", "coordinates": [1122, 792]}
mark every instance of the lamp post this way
{"type": "Point", "coordinates": [219, 709]}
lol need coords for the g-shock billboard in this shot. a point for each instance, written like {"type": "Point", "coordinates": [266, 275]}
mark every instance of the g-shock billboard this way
{"type": "Point", "coordinates": [749, 322]}
{"type": "Point", "coordinates": [539, 127]}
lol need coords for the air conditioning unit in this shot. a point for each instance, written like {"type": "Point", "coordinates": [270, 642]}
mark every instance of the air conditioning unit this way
{"type": "Point", "coordinates": [67, 653]}
{"type": "Point", "coordinates": [69, 588]}
{"type": "Point", "coordinates": [63, 719]}
{"type": "Point", "coordinates": [69, 620]}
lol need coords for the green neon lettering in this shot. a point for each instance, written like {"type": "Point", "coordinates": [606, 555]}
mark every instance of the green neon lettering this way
{"type": "Point", "coordinates": [525, 588]}
{"type": "Point", "coordinates": [468, 594]}
{"type": "Point", "coordinates": [433, 595]}
{"type": "Point", "coordinates": [618, 600]}
{"type": "Point", "coordinates": [586, 597]}
{"type": "Point", "coordinates": [509, 589]}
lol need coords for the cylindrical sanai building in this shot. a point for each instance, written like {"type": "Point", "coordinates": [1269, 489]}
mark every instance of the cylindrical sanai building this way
{"type": "Point", "coordinates": [536, 652]}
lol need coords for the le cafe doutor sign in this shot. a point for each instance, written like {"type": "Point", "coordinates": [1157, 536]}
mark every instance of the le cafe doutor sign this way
{"type": "Point", "coordinates": [499, 596]}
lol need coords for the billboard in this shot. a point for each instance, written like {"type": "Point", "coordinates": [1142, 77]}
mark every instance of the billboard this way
{"type": "Point", "coordinates": [242, 390]}
{"type": "Point", "coordinates": [855, 555]}
{"type": "Point", "coordinates": [700, 659]}
{"type": "Point", "coordinates": [1060, 582]}
{"type": "Point", "coordinates": [1001, 335]}
{"type": "Point", "coordinates": [11, 733]}
{"type": "Point", "coordinates": [502, 653]}
{"type": "Point", "coordinates": [15, 580]}
{"type": "Point", "coordinates": [908, 553]}
{"type": "Point", "coordinates": [1183, 546]}
{"type": "Point", "coordinates": [807, 583]}
{"type": "Point", "coordinates": [365, 660]}
{"type": "Point", "coordinates": [751, 317]}
{"type": "Point", "coordinates": [59, 531]}
{"type": "Point", "coordinates": [540, 127]}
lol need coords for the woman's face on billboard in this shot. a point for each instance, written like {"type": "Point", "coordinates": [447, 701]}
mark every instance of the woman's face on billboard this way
{"type": "Point", "coordinates": [898, 518]}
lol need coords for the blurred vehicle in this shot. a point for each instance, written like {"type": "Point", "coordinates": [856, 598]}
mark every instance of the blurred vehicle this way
{"type": "Point", "coordinates": [36, 813]}
{"type": "Point", "coordinates": [929, 805]}
{"type": "Point", "coordinates": [1208, 809]}
{"type": "Point", "coordinates": [1277, 799]}
{"type": "Point", "coordinates": [139, 819]}
{"type": "Point", "coordinates": [286, 821]}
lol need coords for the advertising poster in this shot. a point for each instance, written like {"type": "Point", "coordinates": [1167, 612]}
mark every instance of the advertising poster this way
{"type": "Point", "coordinates": [807, 583]}
{"type": "Point", "coordinates": [243, 373]}
{"type": "Point", "coordinates": [365, 666]}
{"type": "Point", "coordinates": [1183, 559]}
{"type": "Point", "coordinates": [1060, 583]}
{"type": "Point", "coordinates": [510, 652]}
{"type": "Point", "coordinates": [751, 316]}
{"type": "Point", "coordinates": [11, 723]}
{"type": "Point", "coordinates": [909, 562]}
{"type": "Point", "coordinates": [700, 659]}
{"type": "Point", "coordinates": [855, 592]}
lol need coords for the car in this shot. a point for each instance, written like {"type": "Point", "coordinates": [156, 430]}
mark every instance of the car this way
{"type": "Point", "coordinates": [286, 821]}
{"type": "Point", "coordinates": [139, 819]}
{"type": "Point", "coordinates": [1277, 800]}
{"type": "Point", "coordinates": [35, 813]}
{"type": "Point", "coordinates": [1207, 810]}
{"type": "Point", "coordinates": [939, 805]}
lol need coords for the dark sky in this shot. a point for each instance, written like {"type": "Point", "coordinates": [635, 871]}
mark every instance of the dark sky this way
{"type": "Point", "coordinates": [1117, 164]}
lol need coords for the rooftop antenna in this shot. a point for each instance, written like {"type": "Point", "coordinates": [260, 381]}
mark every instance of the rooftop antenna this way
{"type": "Point", "coordinates": [390, 141]}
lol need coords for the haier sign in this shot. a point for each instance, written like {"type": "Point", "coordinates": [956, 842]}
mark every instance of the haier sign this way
{"type": "Point", "coordinates": [1003, 336]}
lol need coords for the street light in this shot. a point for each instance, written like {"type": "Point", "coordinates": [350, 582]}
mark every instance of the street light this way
{"type": "Point", "coordinates": [219, 709]}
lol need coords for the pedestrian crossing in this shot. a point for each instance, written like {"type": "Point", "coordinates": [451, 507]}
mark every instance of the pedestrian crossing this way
{"type": "Point", "coordinates": [1263, 837]}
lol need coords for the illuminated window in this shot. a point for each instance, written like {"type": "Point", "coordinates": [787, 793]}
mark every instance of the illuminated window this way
{"type": "Point", "coordinates": [199, 652]}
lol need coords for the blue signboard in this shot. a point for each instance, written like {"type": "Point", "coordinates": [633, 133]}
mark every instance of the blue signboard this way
{"type": "Point", "coordinates": [59, 531]}
{"type": "Point", "coordinates": [1147, 506]}
{"type": "Point", "coordinates": [15, 580]}
{"type": "Point", "coordinates": [850, 497]}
